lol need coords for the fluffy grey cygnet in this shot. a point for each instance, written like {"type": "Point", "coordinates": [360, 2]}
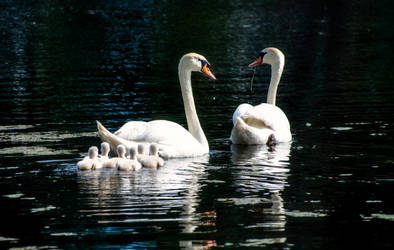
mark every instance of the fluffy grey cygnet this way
{"type": "Point", "coordinates": [90, 161]}
{"type": "Point", "coordinates": [153, 160]}
{"type": "Point", "coordinates": [130, 164]}
{"type": "Point", "coordinates": [111, 163]}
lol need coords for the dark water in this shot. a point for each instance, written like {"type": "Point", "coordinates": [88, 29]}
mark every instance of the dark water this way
{"type": "Point", "coordinates": [65, 64]}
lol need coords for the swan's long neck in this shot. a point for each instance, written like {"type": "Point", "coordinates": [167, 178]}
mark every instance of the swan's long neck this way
{"type": "Point", "coordinates": [276, 73]}
{"type": "Point", "coordinates": [193, 122]}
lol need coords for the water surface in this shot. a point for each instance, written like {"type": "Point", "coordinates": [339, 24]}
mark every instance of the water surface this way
{"type": "Point", "coordinates": [65, 65]}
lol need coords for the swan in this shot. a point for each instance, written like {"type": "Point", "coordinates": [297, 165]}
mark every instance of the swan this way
{"type": "Point", "coordinates": [90, 161]}
{"type": "Point", "coordinates": [111, 163]}
{"type": "Point", "coordinates": [172, 139]}
{"type": "Point", "coordinates": [103, 157]}
{"type": "Point", "coordinates": [152, 160]}
{"type": "Point", "coordinates": [265, 123]}
{"type": "Point", "coordinates": [131, 163]}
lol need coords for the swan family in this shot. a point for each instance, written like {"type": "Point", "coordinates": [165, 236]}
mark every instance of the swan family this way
{"type": "Point", "coordinates": [265, 123]}
{"type": "Point", "coordinates": [126, 159]}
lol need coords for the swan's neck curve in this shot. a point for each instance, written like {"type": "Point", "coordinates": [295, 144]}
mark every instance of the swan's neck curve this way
{"type": "Point", "coordinates": [276, 73]}
{"type": "Point", "coordinates": [193, 123]}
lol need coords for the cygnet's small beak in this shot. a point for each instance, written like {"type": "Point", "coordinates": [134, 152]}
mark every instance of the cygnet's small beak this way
{"type": "Point", "coordinates": [205, 69]}
{"type": "Point", "coordinates": [256, 63]}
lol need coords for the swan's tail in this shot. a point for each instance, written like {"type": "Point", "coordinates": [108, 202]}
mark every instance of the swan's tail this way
{"type": "Point", "coordinates": [112, 139]}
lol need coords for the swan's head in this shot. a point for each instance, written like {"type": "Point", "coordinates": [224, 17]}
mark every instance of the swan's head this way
{"type": "Point", "coordinates": [93, 152]}
{"type": "Point", "coordinates": [104, 148]}
{"type": "Point", "coordinates": [268, 56]}
{"type": "Point", "coordinates": [196, 62]}
{"type": "Point", "coordinates": [121, 150]}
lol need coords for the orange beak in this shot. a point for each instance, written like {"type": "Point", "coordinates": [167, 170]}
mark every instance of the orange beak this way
{"type": "Point", "coordinates": [256, 63]}
{"type": "Point", "coordinates": [207, 72]}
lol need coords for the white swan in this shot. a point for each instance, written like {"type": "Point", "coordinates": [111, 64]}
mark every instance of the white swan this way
{"type": "Point", "coordinates": [172, 139]}
{"type": "Point", "coordinates": [264, 123]}
{"type": "Point", "coordinates": [90, 162]}
{"type": "Point", "coordinates": [112, 163]}
{"type": "Point", "coordinates": [152, 160]}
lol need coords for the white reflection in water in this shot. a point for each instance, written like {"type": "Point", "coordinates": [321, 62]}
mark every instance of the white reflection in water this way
{"type": "Point", "coordinates": [259, 167]}
{"type": "Point", "coordinates": [260, 174]}
{"type": "Point", "coordinates": [169, 194]}
{"type": "Point", "coordinates": [277, 155]}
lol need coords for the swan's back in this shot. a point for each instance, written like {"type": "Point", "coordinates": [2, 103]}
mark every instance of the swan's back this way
{"type": "Point", "coordinates": [257, 123]}
{"type": "Point", "coordinates": [272, 116]}
{"type": "Point", "coordinates": [154, 131]}
{"type": "Point", "coordinates": [132, 131]}
{"type": "Point", "coordinates": [241, 109]}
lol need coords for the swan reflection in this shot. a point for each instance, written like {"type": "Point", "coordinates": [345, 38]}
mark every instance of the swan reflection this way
{"type": "Point", "coordinates": [154, 197]}
{"type": "Point", "coordinates": [260, 174]}
{"type": "Point", "coordinates": [277, 156]}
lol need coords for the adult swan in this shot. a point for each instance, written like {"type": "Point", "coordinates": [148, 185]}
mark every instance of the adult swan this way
{"type": "Point", "coordinates": [264, 123]}
{"type": "Point", "coordinates": [172, 139]}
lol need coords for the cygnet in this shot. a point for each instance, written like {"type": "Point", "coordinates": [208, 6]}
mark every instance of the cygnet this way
{"type": "Point", "coordinates": [103, 157]}
{"type": "Point", "coordinates": [153, 160]}
{"type": "Point", "coordinates": [129, 164]}
{"type": "Point", "coordinates": [141, 152]}
{"type": "Point", "coordinates": [111, 163]}
{"type": "Point", "coordinates": [90, 161]}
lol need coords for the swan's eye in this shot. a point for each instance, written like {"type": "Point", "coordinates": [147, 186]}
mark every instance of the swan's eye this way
{"type": "Point", "coordinates": [204, 62]}
{"type": "Point", "coordinates": [262, 54]}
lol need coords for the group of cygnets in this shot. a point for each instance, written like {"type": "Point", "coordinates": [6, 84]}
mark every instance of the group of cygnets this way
{"type": "Point", "coordinates": [132, 162]}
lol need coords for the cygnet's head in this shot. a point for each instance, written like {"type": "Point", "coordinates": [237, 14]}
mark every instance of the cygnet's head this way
{"type": "Point", "coordinates": [93, 152]}
{"type": "Point", "coordinates": [269, 56]}
{"type": "Point", "coordinates": [196, 62]}
{"type": "Point", "coordinates": [153, 149]}
{"type": "Point", "coordinates": [121, 150]}
{"type": "Point", "coordinates": [141, 149]}
{"type": "Point", "coordinates": [105, 148]}
{"type": "Point", "coordinates": [133, 153]}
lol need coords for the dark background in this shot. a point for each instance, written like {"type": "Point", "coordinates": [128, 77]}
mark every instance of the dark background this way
{"type": "Point", "coordinates": [65, 64]}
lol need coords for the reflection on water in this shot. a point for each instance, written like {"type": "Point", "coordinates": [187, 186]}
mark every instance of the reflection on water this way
{"type": "Point", "coordinates": [277, 155]}
{"type": "Point", "coordinates": [261, 175]}
{"type": "Point", "coordinates": [260, 167]}
{"type": "Point", "coordinates": [169, 194]}
{"type": "Point", "coordinates": [170, 198]}
{"type": "Point", "coordinates": [68, 63]}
